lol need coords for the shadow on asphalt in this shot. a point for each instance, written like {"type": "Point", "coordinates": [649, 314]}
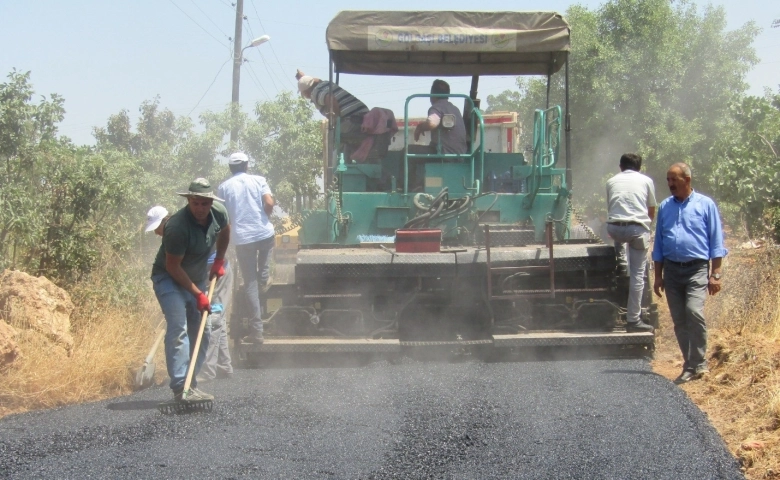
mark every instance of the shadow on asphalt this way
{"type": "Point", "coordinates": [134, 405]}
{"type": "Point", "coordinates": [633, 372]}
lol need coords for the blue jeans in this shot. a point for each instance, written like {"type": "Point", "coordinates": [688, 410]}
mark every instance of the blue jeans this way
{"type": "Point", "coordinates": [254, 262]}
{"type": "Point", "coordinates": [182, 320]}
{"type": "Point", "coordinates": [686, 290]}
{"type": "Point", "coordinates": [218, 359]}
{"type": "Point", "coordinates": [637, 238]}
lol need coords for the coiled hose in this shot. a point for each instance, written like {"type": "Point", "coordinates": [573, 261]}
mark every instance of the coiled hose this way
{"type": "Point", "coordinates": [440, 210]}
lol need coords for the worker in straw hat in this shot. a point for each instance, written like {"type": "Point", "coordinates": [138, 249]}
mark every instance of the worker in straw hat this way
{"type": "Point", "coordinates": [218, 363]}
{"type": "Point", "coordinates": [180, 275]}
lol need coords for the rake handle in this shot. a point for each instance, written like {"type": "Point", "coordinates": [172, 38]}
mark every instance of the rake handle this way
{"type": "Point", "coordinates": [153, 351]}
{"type": "Point", "coordinates": [196, 350]}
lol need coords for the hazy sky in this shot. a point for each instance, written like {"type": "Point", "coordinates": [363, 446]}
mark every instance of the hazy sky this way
{"type": "Point", "coordinates": [105, 56]}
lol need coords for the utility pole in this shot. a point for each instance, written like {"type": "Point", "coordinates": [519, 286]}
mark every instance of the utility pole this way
{"type": "Point", "coordinates": [237, 59]}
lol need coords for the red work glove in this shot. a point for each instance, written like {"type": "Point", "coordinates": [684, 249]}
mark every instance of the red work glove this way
{"type": "Point", "coordinates": [202, 302]}
{"type": "Point", "coordinates": [218, 268]}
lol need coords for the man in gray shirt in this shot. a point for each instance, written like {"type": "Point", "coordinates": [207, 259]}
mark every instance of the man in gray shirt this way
{"type": "Point", "coordinates": [630, 211]}
{"type": "Point", "coordinates": [453, 138]}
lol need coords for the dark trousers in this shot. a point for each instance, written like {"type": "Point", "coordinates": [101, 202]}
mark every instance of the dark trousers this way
{"type": "Point", "coordinates": [686, 290]}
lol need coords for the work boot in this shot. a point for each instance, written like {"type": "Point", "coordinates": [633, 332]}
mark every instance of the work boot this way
{"type": "Point", "coordinates": [685, 377]}
{"type": "Point", "coordinates": [639, 326]}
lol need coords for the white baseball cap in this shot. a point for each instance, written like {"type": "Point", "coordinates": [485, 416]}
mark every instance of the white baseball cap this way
{"type": "Point", "coordinates": [305, 83]}
{"type": "Point", "coordinates": [238, 158]}
{"type": "Point", "coordinates": [154, 217]}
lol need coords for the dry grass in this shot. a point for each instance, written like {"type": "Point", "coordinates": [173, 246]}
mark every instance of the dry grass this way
{"type": "Point", "coordinates": [110, 342]}
{"type": "Point", "coordinates": [741, 396]}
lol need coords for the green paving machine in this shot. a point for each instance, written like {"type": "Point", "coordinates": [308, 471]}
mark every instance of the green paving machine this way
{"type": "Point", "coordinates": [416, 248]}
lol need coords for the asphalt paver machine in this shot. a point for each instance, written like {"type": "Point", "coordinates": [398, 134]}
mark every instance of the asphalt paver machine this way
{"type": "Point", "coordinates": [416, 248]}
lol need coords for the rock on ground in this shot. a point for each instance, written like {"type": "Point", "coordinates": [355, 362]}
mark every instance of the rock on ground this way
{"type": "Point", "coordinates": [35, 303]}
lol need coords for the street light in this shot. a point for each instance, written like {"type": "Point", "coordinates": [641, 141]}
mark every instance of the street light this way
{"type": "Point", "coordinates": [238, 58]}
{"type": "Point", "coordinates": [257, 41]}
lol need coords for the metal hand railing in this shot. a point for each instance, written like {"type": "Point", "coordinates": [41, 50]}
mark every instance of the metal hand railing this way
{"type": "Point", "coordinates": [476, 121]}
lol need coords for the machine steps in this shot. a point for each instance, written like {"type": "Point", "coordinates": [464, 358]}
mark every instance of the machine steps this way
{"type": "Point", "coordinates": [531, 339]}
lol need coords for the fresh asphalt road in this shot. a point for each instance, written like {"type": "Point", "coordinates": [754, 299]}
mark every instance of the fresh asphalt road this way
{"type": "Point", "coordinates": [594, 418]}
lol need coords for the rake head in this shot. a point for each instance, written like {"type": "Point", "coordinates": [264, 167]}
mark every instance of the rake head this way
{"type": "Point", "coordinates": [185, 406]}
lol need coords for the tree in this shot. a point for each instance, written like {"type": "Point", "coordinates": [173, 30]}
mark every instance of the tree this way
{"type": "Point", "coordinates": [747, 162]}
{"type": "Point", "coordinates": [28, 132]}
{"type": "Point", "coordinates": [287, 144]}
{"type": "Point", "coordinates": [166, 148]}
{"type": "Point", "coordinates": [651, 76]}
{"type": "Point", "coordinates": [60, 205]}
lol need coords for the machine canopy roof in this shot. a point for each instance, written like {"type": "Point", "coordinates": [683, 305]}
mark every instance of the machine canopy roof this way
{"type": "Point", "coordinates": [429, 43]}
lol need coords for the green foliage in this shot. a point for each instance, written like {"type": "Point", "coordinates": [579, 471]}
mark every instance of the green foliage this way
{"type": "Point", "coordinates": [27, 140]}
{"type": "Point", "coordinates": [746, 165]}
{"type": "Point", "coordinates": [167, 150]}
{"type": "Point", "coordinates": [67, 210]}
{"type": "Point", "coordinates": [64, 208]}
{"type": "Point", "coordinates": [651, 76]}
{"type": "Point", "coordinates": [286, 143]}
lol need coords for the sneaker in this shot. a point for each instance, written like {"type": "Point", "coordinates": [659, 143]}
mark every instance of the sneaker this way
{"type": "Point", "coordinates": [198, 394]}
{"type": "Point", "coordinates": [639, 326]}
{"type": "Point", "coordinates": [252, 340]}
{"type": "Point", "coordinates": [203, 379]}
{"type": "Point", "coordinates": [193, 395]}
{"type": "Point", "coordinates": [685, 377]}
{"type": "Point", "coordinates": [701, 372]}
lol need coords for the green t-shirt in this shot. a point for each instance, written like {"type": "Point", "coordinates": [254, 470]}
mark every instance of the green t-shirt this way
{"type": "Point", "coordinates": [183, 236]}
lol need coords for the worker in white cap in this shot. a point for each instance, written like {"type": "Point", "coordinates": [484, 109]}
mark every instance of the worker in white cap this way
{"type": "Point", "coordinates": [329, 97]}
{"type": "Point", "coordinates": [250, 203]}
{"type": "Point", "coordinates": [155, 219]}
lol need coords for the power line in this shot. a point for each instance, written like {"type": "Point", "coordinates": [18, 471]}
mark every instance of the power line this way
{"type": "Point", "coordinates": [263, 27]}
{"type": "Point", "coordinates": [301, 25]}
{"type": "Point", "coordinates": [212, 84]}
{"type": "Point", "coordinates": [230, 6]}
{"type": "Point", "coordinates": [276, 87]}
{"type": "Point", "coordinates": [210, 20]}
{"type": "Point", "coordinates": [254, 77]}
{"type": "Point", "coordinates": [198, 24]}
{"type": "Point", "coordinates": [248, 26]}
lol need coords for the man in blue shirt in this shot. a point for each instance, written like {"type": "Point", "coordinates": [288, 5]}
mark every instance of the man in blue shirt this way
{"type": "Point", "coordinates": [452, 138]}
{"type": "Point", "coordinates": [250, 203]}
{"type": "Point", "coordinates": [688, 255]}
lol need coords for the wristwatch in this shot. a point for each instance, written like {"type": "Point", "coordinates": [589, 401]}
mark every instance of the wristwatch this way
{"type": "Point", "coordinates": [716, 276]}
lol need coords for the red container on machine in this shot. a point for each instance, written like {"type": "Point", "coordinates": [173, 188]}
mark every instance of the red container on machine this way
{"type": "Point", "coordinates": [418, 240]}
